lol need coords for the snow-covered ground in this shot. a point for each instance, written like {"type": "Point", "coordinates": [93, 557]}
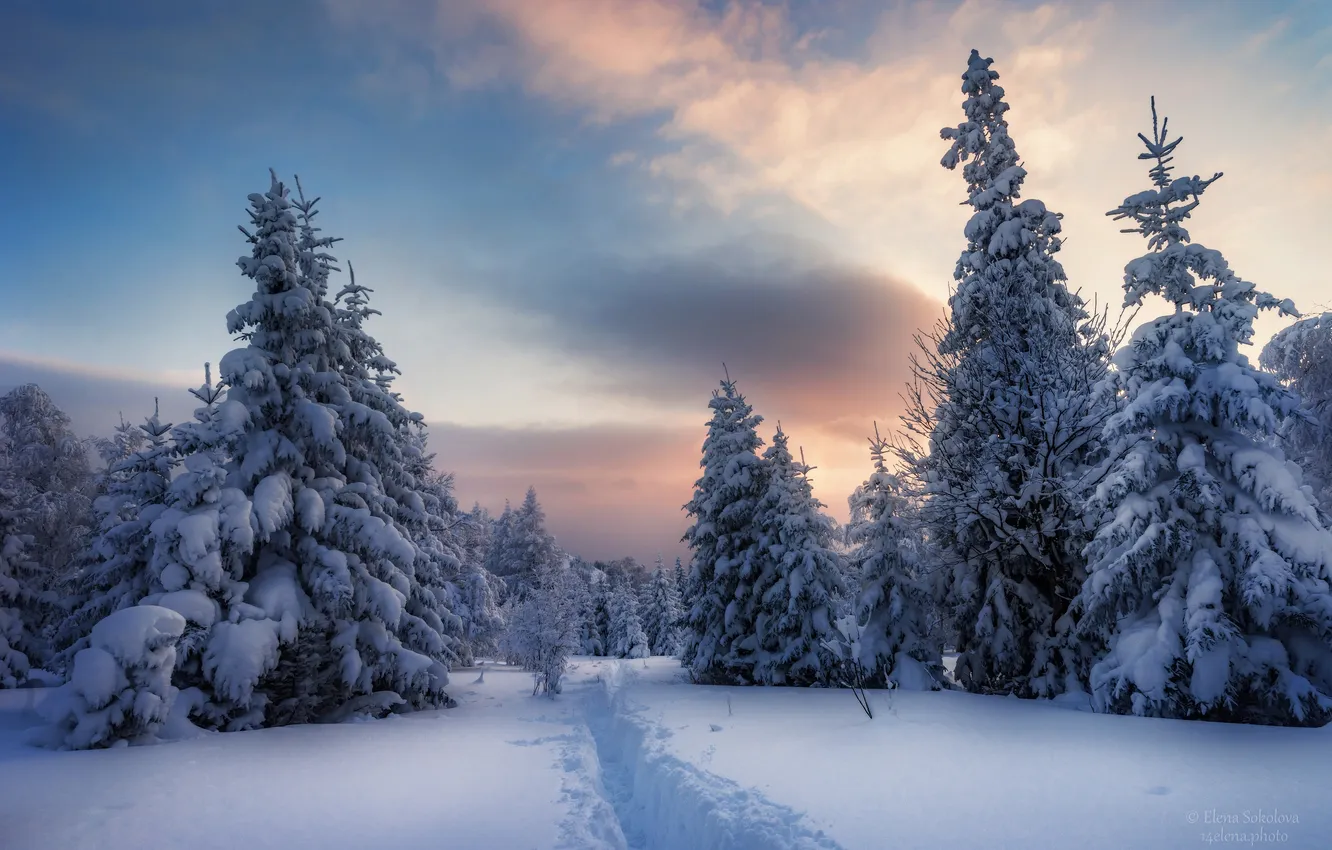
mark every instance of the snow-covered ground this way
{"type": "Point", "coordinates": [630, 756]}
{"type": "Point", "coordinates": [479, 775]}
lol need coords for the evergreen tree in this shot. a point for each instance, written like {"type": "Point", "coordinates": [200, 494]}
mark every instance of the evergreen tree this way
{"type": "Point", "coordinates": [791, 604]}
{"type": "Point", "coordinates": [1004, 418]}
{"type": "Point", "coordinates": [483, 624]}
{"type": "Point", "coordinates": [427, 509]}
{"type": "Point", "coordinates": [125, 440]}
{"type": "Point", "coordinates": [660, 606]}
{"type": "Point", "coordinates": [499, 546]}
{"type": "Point", "coordinates": [627, 638]}
{"type": "Point", "coordinates": [199, 546]}
{"type": "Point", "coordinates": [113, 571]}
{"type": "Point", "coordinates": [476, 533]}
{"type": "Point", "coordinates": [285, 543]}
{"type": "Point", "coordinates": [595, 630]}
{"type": "Point", "coordinates": [47, 468]}
{"type": "Point", "coordinates": [1209, 577]}
{"type": "Point", "coordinates": [16, 637]}
{"type": "Point", "coordinates": [1301, 356]}
{"type": "Point", "coordinates": [719, 642]}
{"type": "Point", "coordinates": [898, 644]}
{"type": "Point", "coordinates": [527, 545]}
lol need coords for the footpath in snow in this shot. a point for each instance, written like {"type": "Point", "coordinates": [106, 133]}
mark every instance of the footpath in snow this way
{"type": "Point", "coordinates": [630, 757]}
{"type": "Point", "coordinates": [794, 767]}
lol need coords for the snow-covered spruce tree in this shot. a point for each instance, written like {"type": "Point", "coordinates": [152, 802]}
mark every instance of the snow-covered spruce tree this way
{"type": "Point", "coordinates": [476, 533]}
{"type": "Point", "coordinates": [48, 469]}
{"type": "Point", "coordinates": [483, 625]}
{"type": "Point", "coordinates": [312, 615]}
{"type": "Point", "coordinates": [660, 607]}
{"type": "Point", "coordinates": [478, 590]}
{"type": "Point", "coordinates": [1301, 356]}
{"type": "Point", "coordinates": [119, 690]}
{"type": "Point", "coordinates": [1003, 419]}
{"type": "Point", "coordinates": [719, 641]}
{"type": "Point", "coordinates": [419, 499]}
{"type": "Point", "coordinates": [498, 547]}
{"type": "Point", "coordinates": [113, 570]}
{"type": "Point", "coordinates": [627, 638]}
{"type": "Point", "coordinates": [898, 643]}
{"type": "Point", "coordinates": [197, 555]}
{"type": "Point", "coordinates": [16, 637]}
{"type": "Point", "coordinates": [791, 604]}
{"type": "Point", "coordinates": [528, 546]}
{"type": "Point", "coordinates": [680, 582]}
{"type": "Point", "coordinates": [1209, 577]}
{"type": "Point", "coordinates": [126, 439]}
{"type": "Point", "coordinates": [595, 629]}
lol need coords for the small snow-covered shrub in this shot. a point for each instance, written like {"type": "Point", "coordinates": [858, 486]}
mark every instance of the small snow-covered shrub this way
{"type": "Point", "coordinates": [850, 672]}
{"type": "Point", "coordinates": [543, 631]}
{"type": "Point", "coordinates": [119, 690]}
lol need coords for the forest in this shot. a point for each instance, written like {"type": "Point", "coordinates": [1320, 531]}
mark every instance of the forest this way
{"type": "Point", "coordinates": [1123, 507]}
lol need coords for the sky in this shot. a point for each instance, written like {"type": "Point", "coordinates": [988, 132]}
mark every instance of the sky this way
{"type": "Point", "coordinates": [573, 212]}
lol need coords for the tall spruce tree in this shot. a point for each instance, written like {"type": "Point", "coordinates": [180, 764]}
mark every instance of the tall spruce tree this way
{"type": "Point", "coordinates": [113, 571]}
{"type": "Point", "coordinates": [282, 537]}
{"type": "Point", "coordinates": [1005, 419]}
{"type": "Point", "coordinates": [793, 600]}
{"type": "Point", "coordinates": [899, 644]}
{"type": "Point", "coordinates": [719, 643]}
{"type": "Point", "coordinates": [1209, 577]}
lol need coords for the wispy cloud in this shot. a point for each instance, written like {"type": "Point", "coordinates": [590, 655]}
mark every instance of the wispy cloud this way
{"type": "Point", "coordinates": [752, 104]}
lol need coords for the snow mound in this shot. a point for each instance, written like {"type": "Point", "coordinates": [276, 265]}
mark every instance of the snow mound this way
{"type": "Point", "coordinates": [119, 691]}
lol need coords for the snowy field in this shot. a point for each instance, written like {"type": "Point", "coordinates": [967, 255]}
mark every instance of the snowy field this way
{"type": "Point", "coordinates": [629, 756]}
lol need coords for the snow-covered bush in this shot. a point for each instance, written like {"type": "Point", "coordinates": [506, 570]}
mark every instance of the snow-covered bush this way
{"type": "Point", "coordinates": [1209, 580]}
{"type": "Point", "coordinates": [846, 645]}
{"type": "Point", "coordinates": [543, 630]}
{"type": "Point", "coordinates": [119, 690]}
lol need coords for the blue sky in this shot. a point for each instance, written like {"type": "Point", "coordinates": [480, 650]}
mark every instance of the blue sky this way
{"type": "Point", "coordinates": [573, 211]}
